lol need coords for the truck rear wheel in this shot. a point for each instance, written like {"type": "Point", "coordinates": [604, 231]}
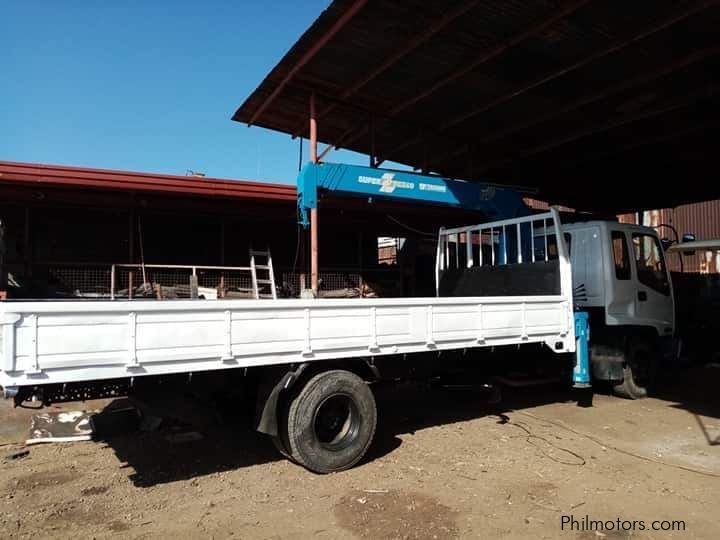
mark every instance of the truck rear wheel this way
{"type": "Point", "coordinates": [329, 425]}
{"type": "Point", "coordinates": [638, 370]}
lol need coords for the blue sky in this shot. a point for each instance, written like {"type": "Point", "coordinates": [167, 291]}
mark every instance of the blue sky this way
{"type": "Point", "coordinates": [146, 85]}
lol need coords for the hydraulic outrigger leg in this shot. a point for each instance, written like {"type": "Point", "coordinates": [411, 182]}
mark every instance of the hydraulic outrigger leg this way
{"type": "Point", "coordinates": [581, 373]}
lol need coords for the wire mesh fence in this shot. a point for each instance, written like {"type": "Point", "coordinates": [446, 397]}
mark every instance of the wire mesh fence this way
{"type": "Point", "coordinates": [174, 281]}
{"type": "Point", "coordinates": [78, 280]}
{"type": "Point", "coordinates": [123, 281]}
{"type": "Point", "coordinates": [334, 280]}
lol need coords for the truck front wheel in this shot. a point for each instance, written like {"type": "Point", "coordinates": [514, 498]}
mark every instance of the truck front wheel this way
{"type": "Point", "coordinates": [329, 425]}
{"type": "Point", "coordinates": [638, 370]}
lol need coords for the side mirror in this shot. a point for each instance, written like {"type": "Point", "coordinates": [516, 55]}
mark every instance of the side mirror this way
{"type": "Point", "coordinates": [688, 237]}
{"type": "Point", "coordinates": [666, 243]}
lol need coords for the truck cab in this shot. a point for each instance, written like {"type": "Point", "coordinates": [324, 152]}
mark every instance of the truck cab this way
{"type": "Point", "coordinates": [620, 278]}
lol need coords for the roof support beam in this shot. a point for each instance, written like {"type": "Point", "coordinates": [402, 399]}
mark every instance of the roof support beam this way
{"type": "Point", "coordinates": [581, 63]}
{"type": "Point", "coordinates": [347, 137]}
{"type": "Point", "coordinates": [356, 6]}
{"type": "Point", "coordinates": [653, 29]}
{"type": "Point", "coordinates": [325, 152]}
{"type": "Point", "coordinates": [491, 54]}
{"type": "Point", "coordinates": [608, 91]}
{"type": "Point", "coordinates": [607, 126]}
{"type": "Point", "coordinates": [659, 139]}
{"type": "Point", "coordinates": [398, 55]}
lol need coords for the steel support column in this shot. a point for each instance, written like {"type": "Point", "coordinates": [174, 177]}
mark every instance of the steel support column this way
{"type": "Point", "coordinates": [373, 152]}
{"type": "Point", "coordinates": [313, 211]}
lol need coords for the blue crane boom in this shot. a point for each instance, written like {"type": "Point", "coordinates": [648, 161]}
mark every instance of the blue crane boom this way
{"type": "Point", "coordinates": [356, 180]}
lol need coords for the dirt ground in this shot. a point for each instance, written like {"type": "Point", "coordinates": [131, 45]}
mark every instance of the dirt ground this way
{"type": "Point", "coordinates": [444, 465]}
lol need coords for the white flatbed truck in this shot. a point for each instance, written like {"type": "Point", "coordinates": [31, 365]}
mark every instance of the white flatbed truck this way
{"type": "Point", "coordinates": [506, 283]}
{"type": "Point", "coordinates": [328, 347]}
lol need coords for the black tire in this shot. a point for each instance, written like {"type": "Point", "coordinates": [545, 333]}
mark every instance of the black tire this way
{"type": "Point", "coordinates": [638, 371]}
{"type": "Point", "coordinates": [330, 423]}
{"type": "Point", "coordinates": [280, 447]}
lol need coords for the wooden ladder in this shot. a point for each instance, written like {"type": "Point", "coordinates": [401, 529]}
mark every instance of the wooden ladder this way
{"type": "Point", "coordinates": [263, 283]}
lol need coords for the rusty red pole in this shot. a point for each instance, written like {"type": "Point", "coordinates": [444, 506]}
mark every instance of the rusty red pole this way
{"type": "Point", "coordinates": [373, 162]}
{"type": "Point", "coordinates": [313, 211]}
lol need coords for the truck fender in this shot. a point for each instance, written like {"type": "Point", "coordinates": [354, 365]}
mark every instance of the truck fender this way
{"type": "Point", "coordinates": [267, 422]}
{"type": "Point", "coordinates": [268, 418]}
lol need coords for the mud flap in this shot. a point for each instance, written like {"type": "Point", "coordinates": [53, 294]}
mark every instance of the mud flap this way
{"type": "Point", "coordinates": [267, 422]}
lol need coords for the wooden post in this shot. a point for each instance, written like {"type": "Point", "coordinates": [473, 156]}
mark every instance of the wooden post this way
{"type": "Point", "coordinates": [193, 287]}
{"type": "Point", "coordinates": [313, 211]}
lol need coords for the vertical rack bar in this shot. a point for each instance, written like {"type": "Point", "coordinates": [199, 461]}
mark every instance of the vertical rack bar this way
{"type": "Point", "coordinates": [480, 245]}
{"type": "Point", "coordinates": [447, 252]}
{"type": "Point", "coordinates": [468, 249]}
{"type": "Point", "coordinates": [492, 247]}
{"type": "Point", "coordinates": [532, 240]}
{"type": "Point", "coordinates": [519, 244]}
{"type": "Point", "coordinates": [504, 239]}
{"type": "Point", "coordinates": [457, 250]}
{"type": "Point", "coordinates": [439, 262]}
{"type": "Point", "coordinates": [546, 241]}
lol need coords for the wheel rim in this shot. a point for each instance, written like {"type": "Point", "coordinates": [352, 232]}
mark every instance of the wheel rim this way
{"type": "Point", "coordinates": [337, 422]}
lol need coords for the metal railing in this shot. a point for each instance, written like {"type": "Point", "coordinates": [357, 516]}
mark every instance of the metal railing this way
{"type": "Point", "coordinates": [127, 279]}
{"type": "Point", "coordinates": [529, 239]}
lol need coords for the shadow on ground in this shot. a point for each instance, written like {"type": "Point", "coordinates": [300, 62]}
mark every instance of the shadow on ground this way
{"type": "Point", "coordinates": [228, 441]}
{"type": "Point", "coordinates": [195, 438]}
{"type": "Point", "coordinates": [694, 390]}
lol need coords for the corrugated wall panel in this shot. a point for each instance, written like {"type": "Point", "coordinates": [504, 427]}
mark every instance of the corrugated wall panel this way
{"type": "Point", "coordinates": [702, 219]}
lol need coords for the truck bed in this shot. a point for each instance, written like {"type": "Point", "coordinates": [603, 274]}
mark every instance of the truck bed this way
{"type": "Point", "coordinates": [61, 342]}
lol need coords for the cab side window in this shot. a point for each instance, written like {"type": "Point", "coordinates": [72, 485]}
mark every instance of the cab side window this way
{"type": "Point", "coordinates": [620, 255]}
{"type": "Point", "coordinates": [650, 263]}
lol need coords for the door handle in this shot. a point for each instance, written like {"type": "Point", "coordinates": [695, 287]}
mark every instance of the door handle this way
{"type": "Point", "coordinates": [642, 296]}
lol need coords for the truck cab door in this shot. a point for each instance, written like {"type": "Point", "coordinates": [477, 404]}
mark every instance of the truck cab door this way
{"type": "Point", "coordinates": [621, 295]}
{"type": "Point", "coordinates": [654, 301]}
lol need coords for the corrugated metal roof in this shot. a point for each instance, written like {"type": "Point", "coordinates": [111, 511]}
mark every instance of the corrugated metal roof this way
{"type": "Point", "coordinates": [61, 175]}
{"type": "Point", "coordinates": [595, 103]}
